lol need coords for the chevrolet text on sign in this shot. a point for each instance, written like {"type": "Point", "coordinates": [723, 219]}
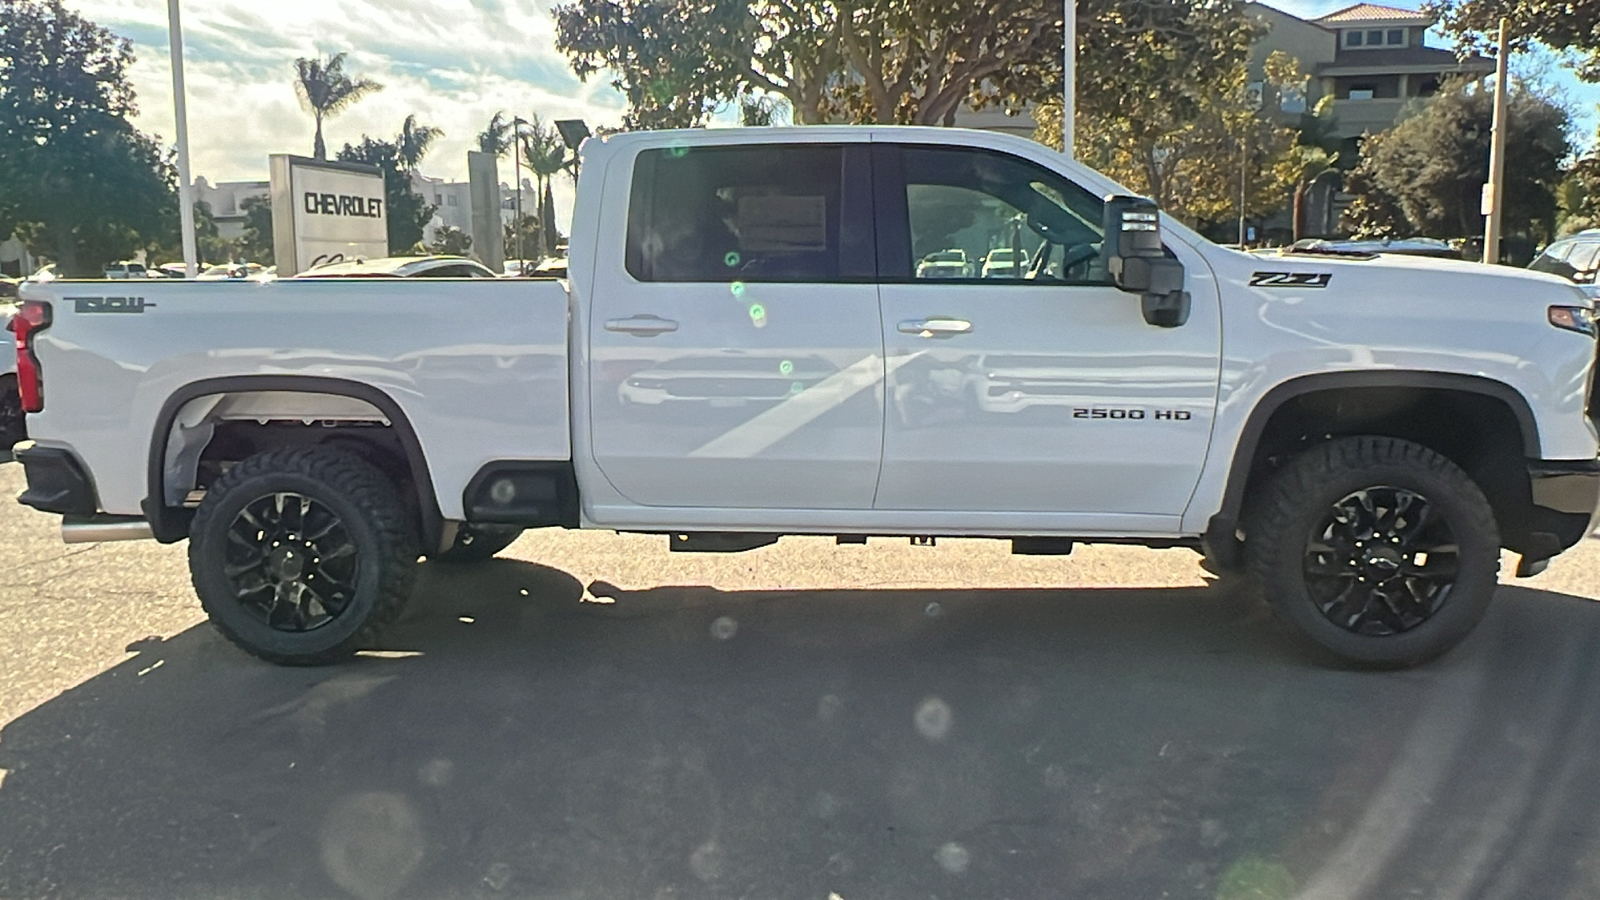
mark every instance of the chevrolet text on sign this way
{"type": "Point", "coordinates": [326, 211]}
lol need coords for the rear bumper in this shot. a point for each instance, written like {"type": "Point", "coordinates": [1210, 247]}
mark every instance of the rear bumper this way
{"type": "Point", "coordinates": [57, 481]}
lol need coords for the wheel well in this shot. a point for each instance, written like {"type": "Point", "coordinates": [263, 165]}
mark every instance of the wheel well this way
{"type": "Point", "coordinates": [1480, 433]}
{"type": "Point", "coordinates": [207, 428]}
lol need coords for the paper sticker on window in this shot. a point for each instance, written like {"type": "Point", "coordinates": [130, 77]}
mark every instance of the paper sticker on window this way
{"type": "Point", "coordinates": [781, 223]}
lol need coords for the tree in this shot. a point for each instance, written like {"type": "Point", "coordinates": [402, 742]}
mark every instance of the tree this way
{"type": "Point", "coordinates": [325, 90]}
{"type": "Point", "coordinates": [496, 139]}
{"type": "Point", "coordinates": [1426, 174]}
{"type": "Point", "coordinates": [527, 227]}
{"type": "Point", "coordinates": [1566, 26]}
{"type": "Point", "coordinates": [909, 61]}
{"type": "Point", "coordinates": [256, 244]}
{"type": "Point", "coordinates": [1182, 142]}
{"type": "Point", "coordinates": [78, 183]}
{"type": "Point", "coordinates": [409, 212]}
{"type": "Point", "coordinates": [545, 155]}
{"type": "Point", "coordinates": [450, 241]}
{"type": "Point", "coordinates": [414, 141]}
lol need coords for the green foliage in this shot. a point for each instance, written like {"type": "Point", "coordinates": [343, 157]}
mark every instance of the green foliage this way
{"type": "Point", "coordinates": [414, 141]}
{"type": "Point", "coordinates": [1571, 26]}
{"type": "Point", "coordinates": [1425, 175]}
{"type": "Point", "coordinates": [496, 138]}
{"type": "Point", "coordinates": [256, 244]}
{"type": "Point", "coordinates": [78, 183]}
{"type": "Point", "coordinates": [1182, 141]}
{"type": "Point", "coordinates": [528, 225]}
{"type": "Point", "coordinates": [908, 61]}
{"type": "Point", "coordinates": [545, 155]}
{"type": "Point", "coordinates": [409, 211]}
{"type": "Point", "coordinates": [210, 247]}
{"type": "Point", "coordinates": [325, 89]}
{"type": "Point", "coordinates": [450, 241]}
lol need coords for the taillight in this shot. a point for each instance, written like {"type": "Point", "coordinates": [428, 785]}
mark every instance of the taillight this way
{"type": "Point", "coordinates": [32, 318]}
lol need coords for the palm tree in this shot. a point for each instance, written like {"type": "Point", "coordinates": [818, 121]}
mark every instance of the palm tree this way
{"type": "Point", "coordinates": [325, 90]}
{"type": "Point", "coordinates": [545, 156]}
{"type": "Point", "coordinates": [496, 139]}
{"type": "Point", "coordinates": [414, 141]}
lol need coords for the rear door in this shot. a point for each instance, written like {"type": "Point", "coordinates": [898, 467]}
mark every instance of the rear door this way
{"type": "Point", "coordinates": [1047, 393]}
{"type": "Point", "coordinates": [736, 358]}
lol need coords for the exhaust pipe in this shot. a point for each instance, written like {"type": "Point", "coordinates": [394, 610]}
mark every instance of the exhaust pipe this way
{"type": "Point", "coordinates": [96, 529]}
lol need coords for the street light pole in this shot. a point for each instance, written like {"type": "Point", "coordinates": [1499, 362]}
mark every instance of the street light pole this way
{"type": "Point", "coordinates": [1069, 76]}
{"type": "Point", "coordinates": [1497, 154]}
{"type": "Point", "coordinates": [191, 254]}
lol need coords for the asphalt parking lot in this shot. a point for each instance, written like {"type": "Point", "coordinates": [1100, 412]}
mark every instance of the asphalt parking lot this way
{"type": "Point", "coordinates": [592, 717]}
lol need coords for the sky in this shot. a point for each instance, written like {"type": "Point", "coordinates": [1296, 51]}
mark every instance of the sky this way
{"type": "Point", "coordinates": [452, 62]}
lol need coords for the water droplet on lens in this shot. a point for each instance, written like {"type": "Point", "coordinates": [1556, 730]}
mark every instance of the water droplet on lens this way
{"type": "Point", "coordinates": [953, 858]}
{"type": "Point", "coordinates": [796, 388]}
{"type": "Point", "coordinates": [785, 367]}
{"type": "Point", "coordinates": [933, 609]}
{"type": "Point", "coordinates": [933, 719]}
{"type": "Point", "coordinates": [724, 627]}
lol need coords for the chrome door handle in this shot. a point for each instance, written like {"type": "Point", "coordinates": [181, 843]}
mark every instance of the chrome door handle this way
{"type": "Point", "coordinates": [935, 327]}
{"type": "Point", "coordinates": [644, 326]}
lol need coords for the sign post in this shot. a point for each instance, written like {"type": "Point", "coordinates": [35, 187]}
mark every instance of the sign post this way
{"type": "Point", "coordinates": [326, 212]}
{"type": "Point", "coordinates": [180, 112]}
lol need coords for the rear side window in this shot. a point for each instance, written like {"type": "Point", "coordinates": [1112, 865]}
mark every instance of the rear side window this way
{"type": "Point", "coordinates": [1553, 259]}
{"type": "Point", "coordinates": [745, 213]}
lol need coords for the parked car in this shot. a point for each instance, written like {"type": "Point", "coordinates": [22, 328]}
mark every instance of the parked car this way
{"type": "Point", "coordinates": [8, 288]}
{"type": "Point", "coordinates": [125, 269]}
{"type": "Point", "coordinates": [945, 264]}
{"type": "Point", "coordinates": [1003, 262]}
{"type": "Point", "coordinates": [1382, 427]}
{"type": "Point", "coordinates": [1417, 246]}
{"type": "Point", "coordinates": [170, 270]}
{"type": "Point", "coordinates": [231, 272]}
{"type": "Point", "coordinates": [402, 267]}
{"type": "Point", "coordinates": [1575, 258]}
{"type": "Point", "coordinates": [13, 422]}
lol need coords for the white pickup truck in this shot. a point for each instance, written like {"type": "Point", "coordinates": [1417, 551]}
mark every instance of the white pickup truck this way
{"type": "Point", "coordinates": [743, 350]}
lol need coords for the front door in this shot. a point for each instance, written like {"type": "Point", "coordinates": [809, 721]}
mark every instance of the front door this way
{"type": "Point", "coordinates": [735, 354]}
{"type": "Point", "coordinates": [1019, 379]}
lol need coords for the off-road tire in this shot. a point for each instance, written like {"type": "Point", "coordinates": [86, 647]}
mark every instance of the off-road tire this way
{"type": "Point", "coordinates": [373, 518]}
{"type": "Point", "coordinates": [478, 543]}
{"type": "Point", "coordinates": [1281, 521]}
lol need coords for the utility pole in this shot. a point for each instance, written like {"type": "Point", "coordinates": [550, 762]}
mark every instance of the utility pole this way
{"type": "Point", "coordinates": [1069, 75]}
{"type": "Point", "coordinates": [1244, 175]}
{"type": "Point", "coordinates": [1493, 191]}
{"type": "Point", "coordinates": [191, 254]}
{"type": "Point", "coordinates": [516, 168]}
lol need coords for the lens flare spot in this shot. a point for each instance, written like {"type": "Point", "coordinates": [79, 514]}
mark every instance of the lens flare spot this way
{"type": "Point", "coordinates": [953, 858]}
{"type": "Point", "coordinates": [933, 719]}
{"type": "Point", "coordinates": [796, 387]}
{"type": "Point", "coordinates": [736, 289]}
{"type": "Point", "coordinates": [724, 628]}
{"type": "Point", "coordinates": [731, 260]}
{"type": "Point", "coordinates": [785, 368]}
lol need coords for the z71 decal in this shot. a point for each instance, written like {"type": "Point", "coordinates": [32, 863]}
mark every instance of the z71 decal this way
{"type": "Point", "coordinates": [1291, 279]}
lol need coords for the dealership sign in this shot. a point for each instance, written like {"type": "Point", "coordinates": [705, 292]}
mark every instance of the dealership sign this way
{"type": "Point", "coordinates": [326, 211]}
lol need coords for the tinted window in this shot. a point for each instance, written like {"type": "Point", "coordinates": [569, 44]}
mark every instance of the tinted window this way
{"type": "Point", "coordinates": [747, 213]}
{"type": "Point", "coordinates": [1553, 259]}
{"type": "Point", "coordinates": [963, 205]}
{"type": "Point", "coordinates": [1374, 37]}
{"type": "Point", "coordinates": [1353, 39]}
{"type": "Point", "coordinates": [1397, 36]}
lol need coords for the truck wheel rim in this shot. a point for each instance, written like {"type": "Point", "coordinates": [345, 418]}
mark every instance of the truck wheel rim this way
{"type": "Point", "coordinates": [291, 562]}
{"type": "Point", "coordinates": [1382, 561]}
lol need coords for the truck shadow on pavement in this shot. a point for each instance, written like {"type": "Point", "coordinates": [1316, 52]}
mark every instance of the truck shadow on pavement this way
{"type": "Point", "coordinates": [523, 736]}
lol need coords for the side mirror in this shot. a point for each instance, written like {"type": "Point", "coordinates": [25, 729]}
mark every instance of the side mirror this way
{"type": "Point", "coordinates": [1139, 263]}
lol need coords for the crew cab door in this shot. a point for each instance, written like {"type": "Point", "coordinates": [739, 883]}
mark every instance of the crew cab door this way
{"type": "Point", "coordinates": [736, 358]}
{"type": "Point", "coordinates": [1041, 388]}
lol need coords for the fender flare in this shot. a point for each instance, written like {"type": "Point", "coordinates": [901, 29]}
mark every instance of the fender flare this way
{"type": "Point", "coordinates": [171, 524]}
{"type": "Point", "coordinates": [1220, 541]}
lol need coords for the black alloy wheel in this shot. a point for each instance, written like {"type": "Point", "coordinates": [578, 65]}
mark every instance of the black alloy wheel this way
{"type": "Point", "coordinates": [1381, 563]}
{"type": "Point", "coordinates": [292, 562]}
{"type": "Point", "coordinates": [1379, 550]}
{"type": "Point", "coordinates": [303, 555]}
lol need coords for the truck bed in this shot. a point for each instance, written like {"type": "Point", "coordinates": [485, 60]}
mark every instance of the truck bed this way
{"type": "Point", "coordinates": [477, 367]}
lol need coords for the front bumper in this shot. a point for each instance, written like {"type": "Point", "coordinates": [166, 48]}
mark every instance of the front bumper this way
{"type": "Point", "coordinates": [57, 481]}
{"type": "Point", "coordinates": [1565, 509]}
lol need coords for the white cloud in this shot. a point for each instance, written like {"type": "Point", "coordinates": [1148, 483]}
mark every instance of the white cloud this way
{"type": "Point", "coordinates": [453, 63]}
